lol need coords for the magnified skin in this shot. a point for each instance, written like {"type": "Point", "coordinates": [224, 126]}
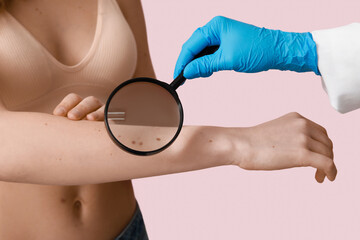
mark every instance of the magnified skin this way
{"type": "Point", "coordinates": [143, 111]}
{"type": "Point", "coordinates": [143, 138]}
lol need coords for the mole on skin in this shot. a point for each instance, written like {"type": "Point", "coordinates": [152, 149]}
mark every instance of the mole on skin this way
{"type": "Point", "coordinates": [133, 142]}
{"type": "Point", "coordinates": [210, 141]}
{"type": "Point", "coordinates": [273, 146]}
{"type": "Point", "coordinates": [158, 139]}
{"type": "Point", "coordinates": [45, 124]}
{"type": "Point", "coordinates": [36, 9]}
{"type": "Point", "coordinates": [140, 143]}
{"type": "Point", "coordinates": [77, 204]}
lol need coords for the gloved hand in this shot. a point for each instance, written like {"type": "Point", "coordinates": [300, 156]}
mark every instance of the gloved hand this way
{"type": "Point", "coordinates": [246, 48]}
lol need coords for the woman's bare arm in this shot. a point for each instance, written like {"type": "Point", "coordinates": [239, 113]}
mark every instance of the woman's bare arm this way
{"type": "Point", "coordinates": [46, 149]}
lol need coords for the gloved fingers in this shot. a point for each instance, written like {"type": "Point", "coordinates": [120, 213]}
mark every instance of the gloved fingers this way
{"type": "Point", "coordinates": [203, 67]}
{"type": "Point", "coordinates": [201, 38]}
{"type": "Point", "coordinates": [195, 44]}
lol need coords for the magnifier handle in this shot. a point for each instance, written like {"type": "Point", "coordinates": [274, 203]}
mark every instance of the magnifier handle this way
{"type": "Point", "coordinates": [207, 51]}
{"type": "Point", "coordinates": [181, 79]}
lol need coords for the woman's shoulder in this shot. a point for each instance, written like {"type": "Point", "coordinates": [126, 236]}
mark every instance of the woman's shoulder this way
{"type": "Point", "coordinates": [131, 9]}
{"type": "Point", "coordinates": [134, 15]}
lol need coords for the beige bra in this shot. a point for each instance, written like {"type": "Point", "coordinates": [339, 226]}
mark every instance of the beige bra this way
{"type": "Point", "coordinates": [30, 73]}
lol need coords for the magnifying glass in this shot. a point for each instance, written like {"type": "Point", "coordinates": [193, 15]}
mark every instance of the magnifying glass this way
{"type": "Point", "coordinates": [144, 116]}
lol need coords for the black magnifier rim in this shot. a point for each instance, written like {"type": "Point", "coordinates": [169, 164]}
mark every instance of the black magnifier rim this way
{"type": "Point", "coordinates": [149, 80]}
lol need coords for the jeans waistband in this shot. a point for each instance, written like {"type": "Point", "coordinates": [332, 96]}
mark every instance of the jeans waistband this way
{"type": "Point", "coordinates": [135, 230]}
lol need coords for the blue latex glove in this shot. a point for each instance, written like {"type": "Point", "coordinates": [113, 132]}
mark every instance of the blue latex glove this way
{"type": "Point", "coordinates": [246, 48]}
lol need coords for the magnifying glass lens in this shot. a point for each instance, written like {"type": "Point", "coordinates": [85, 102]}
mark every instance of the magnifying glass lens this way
{"type": "Point", "coordinates": [143, 116]}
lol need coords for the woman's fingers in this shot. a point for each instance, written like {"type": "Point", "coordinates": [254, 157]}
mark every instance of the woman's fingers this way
{"type": "Point", "coordinates": [313, 129]}
{"type": "Point", "coordinates": [88, 105]}
{"type": "Point", "coordinates": [320, 136]}
{"type": "Point", "coordinates": [70, 101]}
{"type": "Point", "coordinates": [321, 128]}
{"type": "Point", "coordinates": [321, 162]}
{"type": "Point", "coordinates": [322, 144]}
{"type": "Point", "coordinates": [320, 176]}
{"type": "Point", "coordinates": [98, 115]}
{"type": "Point", "coordinates": [319, 142]}
{"type": "Point", "coordinates": [320, 147]}
{"type": "Point", "coordinates": [76, 108]}
{"type": "Point", "coordinates": [325, 150]}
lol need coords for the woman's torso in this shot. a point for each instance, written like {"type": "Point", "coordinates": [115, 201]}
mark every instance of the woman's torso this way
{"type": "Point", "coordinates": [47, 50]}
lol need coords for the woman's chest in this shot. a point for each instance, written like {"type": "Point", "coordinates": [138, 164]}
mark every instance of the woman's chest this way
{"type": "Point", "coordinates": [30, 72]}
{"type": "Point", "coordinates": [64, 28]}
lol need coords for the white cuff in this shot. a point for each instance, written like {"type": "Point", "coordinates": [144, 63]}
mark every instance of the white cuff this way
{"type": "Point", "coordinates": [339, 64]}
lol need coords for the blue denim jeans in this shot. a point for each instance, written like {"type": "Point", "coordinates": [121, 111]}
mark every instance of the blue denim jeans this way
{"type": "Point", "coordinates": [135, 230]}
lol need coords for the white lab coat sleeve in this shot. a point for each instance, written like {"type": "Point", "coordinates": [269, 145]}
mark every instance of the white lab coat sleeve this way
{"type": "Point", "coordinates": [338, 52]}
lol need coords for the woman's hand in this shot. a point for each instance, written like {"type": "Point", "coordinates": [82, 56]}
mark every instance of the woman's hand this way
{"type": "Point", "coordinates": [286, 142]}
{"type": "Point", "coordinates": [76, 108]}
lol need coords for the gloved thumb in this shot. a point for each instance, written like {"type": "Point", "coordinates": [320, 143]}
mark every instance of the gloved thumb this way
{"type": "Point", "coordinates": [202, 67]}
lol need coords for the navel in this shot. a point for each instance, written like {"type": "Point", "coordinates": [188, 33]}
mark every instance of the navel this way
{"type": "Point", "coordinates": [77, 209]}
{"type": "Point", "coordinates": [77, 205]}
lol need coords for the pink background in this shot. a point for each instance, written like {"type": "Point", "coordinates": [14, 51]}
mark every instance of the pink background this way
{"type": "Point", "coordinates": [231, 203]}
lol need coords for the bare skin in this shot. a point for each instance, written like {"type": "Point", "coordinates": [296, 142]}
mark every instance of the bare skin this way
{"type": "Point", "coordinates": [98, 200]}
{"type": "Point", "coordinates": [100, 211]}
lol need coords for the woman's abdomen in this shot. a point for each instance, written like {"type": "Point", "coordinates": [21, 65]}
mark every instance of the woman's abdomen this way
{"type": "Point", "coordinates": [100, 211]}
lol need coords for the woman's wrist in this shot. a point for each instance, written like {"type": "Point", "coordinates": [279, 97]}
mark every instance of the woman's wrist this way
{"type": "Point", "coordinates": [228, 145]}
{"type": "Point", "coordinates": [237, 148]}
{"type": "Point", "coordinates": [200, 147]}
{"type": "Point", "coordinates": [223, 145]}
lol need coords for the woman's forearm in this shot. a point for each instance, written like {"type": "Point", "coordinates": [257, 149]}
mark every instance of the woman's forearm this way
{"type": "Point", "coordinates": [46, 149]}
